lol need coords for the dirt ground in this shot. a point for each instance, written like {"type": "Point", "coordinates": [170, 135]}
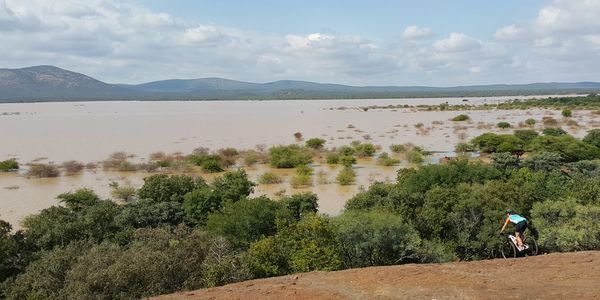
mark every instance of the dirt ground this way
{"type": "Point", "coordinates": [552, 276]}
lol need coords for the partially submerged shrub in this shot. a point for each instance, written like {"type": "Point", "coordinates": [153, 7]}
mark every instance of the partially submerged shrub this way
{"type": "Point", "coordinates": [300, 180]}
{"type": "Point", "coordinates": [332, 158]}
{"type": "Point", "coordinates": [397, 148]}
{"type": "Point", "coordinates": [385, 160]}
{"type": "Point", "coordinates": [461, 117]}
{"type": "Point", "coordinates": [530, 122]}
{"type": "Point", "coordinates": [554, 131]}
{"type": "Point", "coordinates": [72, 167]}
{"type": "Point", "coordinates": [567, 113]}
{"type": "Point", "coordinates": [365, 150]}
{"type": "Point", "coordinates": [549, 122]}
{"type": "Point", "coordinates": [122, 192]}
{"type": "Point", "coordinates": [269, 178]}
{"type": "Point", "coordinates": [43, 170]}
{"type": "Point", "coordinates": [346, 176]}
{"type": "Point", "coordinates": [289, 156]}
{"type": "Point", "coordinates": [9, 165]}
{"type": "Point", "coordinates": [503, 125]}
{"type": "Point", "coordinates": [415, 157]}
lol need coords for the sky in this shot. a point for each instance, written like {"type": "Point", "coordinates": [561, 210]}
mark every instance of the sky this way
{"type": "Point", "coordinates": [356, 42]}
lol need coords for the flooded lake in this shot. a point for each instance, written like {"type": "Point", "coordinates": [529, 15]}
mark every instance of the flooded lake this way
{"type": "Point", "coordinates": [91, 131]}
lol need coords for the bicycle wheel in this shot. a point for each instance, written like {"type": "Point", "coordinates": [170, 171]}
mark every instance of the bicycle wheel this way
{"type": "Point", "coordinates": [508, 250]}
{"type": "Point", "coordinates": [533, 247]}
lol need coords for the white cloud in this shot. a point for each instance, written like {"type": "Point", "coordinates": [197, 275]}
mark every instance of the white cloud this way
{"type": "Point", "coordinates": [457, 42]}
{"type": "Point", "coordinates": [509, 32]}
{"type": "Point", "coordinates": [414, 33]}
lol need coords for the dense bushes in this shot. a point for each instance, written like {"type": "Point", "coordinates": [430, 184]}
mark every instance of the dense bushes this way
{"type": "Point", "coordinates": [182, 233]}
{"type": "Point", "coordinates": [289, 156]}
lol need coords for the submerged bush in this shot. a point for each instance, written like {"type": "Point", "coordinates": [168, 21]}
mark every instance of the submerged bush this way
{"type": "Point", "coordinates": [460, 118]}
{"type": "Point", "coordinates": [289, 156]}
{"type": "Point", "coordinates": [315, 143]}
{"type": "Point", "coordinates": [397, 148]}
{"type": "Point", "coordinates": [346, 176]}
{"type": "Point", "coordinates": [9, 165]}
{"type": "Point", "coordinates": [269, 178]}
{"type": "Point", "coordinates": [43, 170]}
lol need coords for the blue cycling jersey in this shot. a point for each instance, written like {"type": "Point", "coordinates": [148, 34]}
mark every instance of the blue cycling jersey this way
{"type": "Point", "coordinates": [515, 219]}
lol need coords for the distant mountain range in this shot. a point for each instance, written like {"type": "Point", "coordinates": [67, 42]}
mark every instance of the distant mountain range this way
{"type": "Point", "coordinates": [49, 83]}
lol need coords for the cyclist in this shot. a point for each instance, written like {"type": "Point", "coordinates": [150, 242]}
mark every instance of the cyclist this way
{"type": "Point", "coordinates": [520, 226]}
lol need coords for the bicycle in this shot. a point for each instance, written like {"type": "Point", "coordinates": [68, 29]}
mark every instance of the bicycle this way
{"type": "Point", "coordinates": [509, 249]}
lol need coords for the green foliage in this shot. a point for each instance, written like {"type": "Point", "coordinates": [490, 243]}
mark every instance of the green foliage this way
{"type": "Point", "coordinates": [569, 148]}
{"type": "Point", "coordinates": [530, 122]}
{"type": "Point", "coordinates": [315, 143]}
{"type": "Point", "coordinates": [567, 113]}
{"type": "Point", "coordinates": [304, 170]}
{"type": "Point", "coordinates": [503, 125]}
{"type": "Point", "coordinates": [149, 213]}
{"type": "Point", "coordinates": [269, 178]}
{"type": "Point", "coordinates": [163, 188]}
{"type": "Point", "coordinates": [526, 135]}
{"type": "Point", "coordinates": [554, 131]}
{"type": "Point", "coordinates": [397, 148]}
{"type": "Point", "coordinates": [460, 118]}
{"type": "Point", "coordinates": [233, 186]}
{"type": "Point", "coordinates": [505, 161]}
{"type": "Point", "coordinates": [347, 161]}
{"type": "Point", "coordinates": [210, 163]}
{"type": "Point", "coordinates": [15, 252]}
{"type": "Point", "coordinates": [566, 225]}
{"type": "Point", "coordinates": [245, 221]}
{"type": "Point", "coordinates": [491, 142]}
{"type": "Point", "coordinates": [346, 151]}
{"type": "Point", "coordinates": [332, 158]}
{"type": "Point", "coordinates": [9, 165]}
{"type": "Point", "coordinates": [308, 245]}
{"type": "Point", "coordinates": [301, 180]}
{"type": "Point", "coordinates": [385, 160]}
{"type": "Point", "coordinates": [346, 176]}
{"type": "Point", "coordinates": [365, 150]}
{"type": "Point", "coordinates": [298, 205]}
{"type": "Point", "coordinates": [543, 161]}
{"type": "Point", "coordinates": [199, 203]}
{"type": "Point", "coordinates": [289, 156]}
{"type": "Point", "coordinates": [592, 138]}
{"type": "Point", "coordinates": [374, 239]}
{"type": "Point", "coordinates": [415, 156]}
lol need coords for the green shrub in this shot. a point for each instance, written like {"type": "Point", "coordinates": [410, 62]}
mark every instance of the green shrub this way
{"type": "Point", "coordinates": [346, 176]}
{"type": "Point", "coordinates": [397, 148]}
{"type": "Point", "coordinates": [460, 118]}
{"type": "Point", "coordinates": [300, 180]}
{"type": "Point", "coordinates": [365, 150]}
{"type": "Point", "coordinates": [289, 156]}
{"type": "Point", "coordinates": [592, 138]}
{"type": "Point", "coordinates": [491, 142]}
{"type": "Point", "coordinates": [554, 131]}
{"type": "Point", "coordinates": [164, 188]}
{"type": "Point", "coordinates": [346, 151]}
{"type": "Point", "coordinates": [385, 160]}
{"type": "Point", "coordinates": [530, 122]}
{"type": "Point", "coordinates": [347, 160]}
{"type": "Point", "coordinates": [375, 239]}
{"type": "Point", "coordinates": [503, 125]}
{"type": "Point", "coordinates": [569, 148]}
{"type": "Point", "coordinates": [9, 165]}
{"type": "Point", "coordinates": [315, 143]}
{"type": "Point", "coordinates": [304, 170]}
{"type": "Point", "coordinates": [414, 156]}
{"type": "Point", "coordinates": [566, 225]}
{"type": "Point", "coordinates": [526, 135]}
{"type": "Point", "coordinates": [567, 113]}
{"type": "Point", "coordinates": [332, 158]}
{"type": "Point", "coordinates": [269, 178]}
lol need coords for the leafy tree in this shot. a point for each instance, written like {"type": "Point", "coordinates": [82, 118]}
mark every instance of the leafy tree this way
{"type": "Point", "coordinates": [15, 252]}
{"type": "Point", "coordinates": [543, 161]}
{"type": "Point", "coordinates": [245, 221]}
{"type": "Point", "coordinates": [526, 135]}
{"type": "Point", "coordinates": [554, 131]}
{"type": "Point", "coordinates": [570, 148]}
{"type": "Point", "coordinates": [491, 142]}
{"type": "Point", "coordinates": [305, 246]}
{"type": "Point", "coordinates": [346, 176]}
{"type": "Point", "coordinates": [375, 239]}
{"type": "Point", "coordinates": [315, 143]}
{"type": "Point", "coordinates": [346, 151]}
{"type": "Point", "coordinates": [505, 161]}
{"type": "Point", "coordinates": [199, 203]}
{"type": "Point", "coordinates": [567, 113]}
{"type": "Point", "coordinates": [163, 188]}
{"type": "Point", "coordinates": [298, 205]}
{"type": "Point", "coordinates": [461, 117]}
{"type": "Point", "coordinates": [148, 213]}
{"type": "Point", "coordinates": [289, 156]}
{"type": "Point", "coordinates": [503, 125]}
{"type": "Point", "coordinates": [592, 138]}
{"type": "Point", "coordinates": [530, 122]}
{"type": "Point", "coordinates": [233, 186]}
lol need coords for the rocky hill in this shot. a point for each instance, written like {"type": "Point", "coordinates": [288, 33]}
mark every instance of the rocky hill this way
{"type": "Point", "coordinates": [552, 276]}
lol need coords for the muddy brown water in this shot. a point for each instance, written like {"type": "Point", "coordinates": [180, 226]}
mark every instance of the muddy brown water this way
{"type": "Point", "coordinates": [91, 131]}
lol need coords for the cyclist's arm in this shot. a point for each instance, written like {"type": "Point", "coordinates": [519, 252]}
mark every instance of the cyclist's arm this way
{"type": "Point", "coordinates": [505, 224]}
